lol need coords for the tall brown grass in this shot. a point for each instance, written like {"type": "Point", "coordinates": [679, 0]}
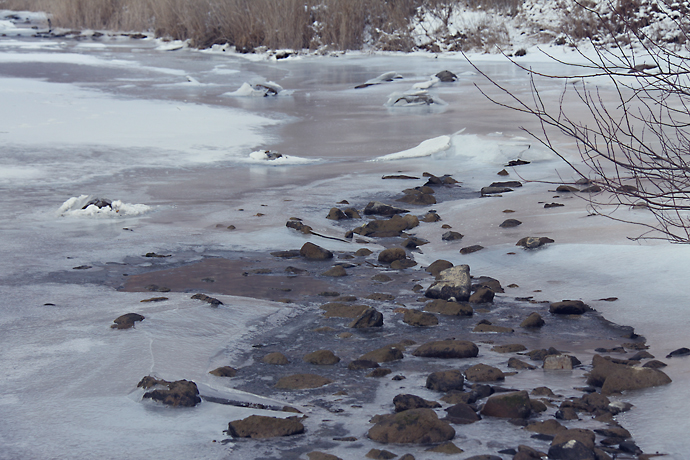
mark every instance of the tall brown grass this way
{"type": "Point", "coordinates": [247, 24]}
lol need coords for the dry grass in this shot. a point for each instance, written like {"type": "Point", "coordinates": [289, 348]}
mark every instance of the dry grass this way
{"type": "Point", "coordinates": [249, 24]}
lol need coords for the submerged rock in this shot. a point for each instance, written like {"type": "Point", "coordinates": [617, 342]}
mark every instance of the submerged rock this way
{"type": "Point", "coordinates": [414, 426]}
{"type": "Point", "coordinates": [302, 382]}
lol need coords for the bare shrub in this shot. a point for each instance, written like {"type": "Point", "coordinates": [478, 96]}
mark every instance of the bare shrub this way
{"type": "Point", "coordinates": [635, 148]}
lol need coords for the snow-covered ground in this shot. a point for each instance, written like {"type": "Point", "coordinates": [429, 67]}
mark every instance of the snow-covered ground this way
{"type": "Point", "coordinates": [154, 129]}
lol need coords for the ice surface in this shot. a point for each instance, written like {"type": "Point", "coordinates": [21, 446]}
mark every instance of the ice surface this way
{"type": "Point", "coordinates": [138, 132]}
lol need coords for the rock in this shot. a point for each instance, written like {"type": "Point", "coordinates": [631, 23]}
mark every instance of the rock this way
{"type": "Point", "coordinates": [488, 327]}
{"type": "Point", "coordinates": [203, 297]}
{"type": "Point", "coordinates": [486, 191]}
{"type": "Point", "coordinates": [452, 282]}
{"type": "Point", "coordinates": [341, 310]}
{"type": "Point", "coordinates": [383, 354]}
{"type": "Point", "coordinates": [445, 381]}
{"type": "Point", "coordinates": [487, 282]}
{"type": "Point", "coordinates": [417, 426]}
{"type": "Point", "coordinates": [321, 358]}
{"type": "Point", "coordinates": [515, 363]}
{"type": "Point", "coordinates": [445, 307]}
{"type": "Point", "coordinates": [471, 249]}
{"type": "Point", "coordinates": [640, 355]}
{"type": "Point", "coordinates": [430, 217]}
{"type": "Point", "coordinates": [299, 226]}
{"type": "Point", "coordinates": [438, 266]}
{"type": "Point", "coordinates": [534, 320]}
{"type": "Point", "coordinates": [292, 254]}
{"type": "Point", "coordinates": [514, 404]}
{"type": "Point", "coordinates": [127, 321]}
{"type": "Point", "coordinates": [302, 382]}
{"type": "Point", "coordinates": [225, 371]}
{"type": "Point", "coordinates": [549, 427]}
{"type": "Point", "coordinates": [560, 362]}
{"type": "Point", "coordinates": [387, 228]}
{"type": "Point", "coordinates": [316, 455]}
{"type": "Point", "coordinates": [532, 242]}
{"type": "Point", "coordinates": [413, 242]}
{"type": "Point", "coordinates": [568, 307]}
{"type": "Point", "coordinates": [678, 353]}
{"type": "Point", "coordinates": [483, 373]}
{"type": "Point", "coordinates": [99, 203]}
{"type": "Point", "coordinates": [574, 444]}
{"type": "Point", "coordinates": [363, 252]}
{"type": "Point", "coordinates": [379, 372]}
{"type": "Point", "coordinates": [482, 295]}
{"type": "Point", "coordinates": [368, 318]}
{"type": "Point", "coordinates": [510, 223]}
{"type": "Point", "coordinates": [446, 76]}
{"type": "Point", "coordinates": [406, 401]}
{"type": "Point", "coordinates": [591, 189]}
{"type": "Point", "coordinates": [381, 209]}
{"type": "Point", "coordinates": [567, 189]}
{"type": "Point", "coordinates": [484, 457]}
{"type": "Point", "coordinates": [553, 205]}
{"type": "Point", "coordinates": [336, 214]}
{"type": "Point", "coordinates": [509, 348]}
{"type": "Point", "coordinates": [335, 272]}
{"type": "Point", "coordinates": [407, 457]}
{"type": "Point", "coordinates": [352, 213]}
{"type": "Point", "coordinates": [452, 236]}
{"type": "Point", "coordinates": [417, 198]}
{"type": "Point", "coordinates": [181, 393]}
{"type": "Point", "coordinates": [275, 358]}
{"type": "Point", "coordinates": [614, 378]}
{"type": "Point", "coordinates": [381, 278]}
{"type": "Point", "coordinates": [447, 349]}
{"type": "Point", "coordinates": [380, 454]}
{"type": "Point", "coordinates": [360, 364]}
{"type": "Point", "coordinates": [462, 414]}
{"type": "Point", "coordinates": [381, 297]}
{"type": "Point", "coordinates": [419, 319]}
{"type": "Point", "coordinates": [654, 364]}
{"type": "Point", "coordinates": [389, 255]}
{"type": "Point", "coordinates": [566, 413]}
{"type": "Point", "coordinates": [260, 427]}
{"type": "Point", "coordinates": [402, 264]}
{"type": "Point", "coordinates": [446, 448]}
{"type": "Point", "coordinates": [517, 162]}
{"type": "Point", "coordinates": [313, 252]}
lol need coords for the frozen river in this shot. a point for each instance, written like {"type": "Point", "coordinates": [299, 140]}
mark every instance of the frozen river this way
{"type": "Point", "coordinates": [165, 131]}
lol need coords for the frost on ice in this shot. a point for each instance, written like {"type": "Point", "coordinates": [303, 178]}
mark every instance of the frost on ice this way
{"type": "Point", "coordinates": [425, 149]}
{"type": "Point", "coordinates": [91, 206]}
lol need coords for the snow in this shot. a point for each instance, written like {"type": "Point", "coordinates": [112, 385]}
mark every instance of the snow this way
{"type": "Point", "coordinates": [425, 149]}
{"type": "Point", "coordinates": [76, 207]}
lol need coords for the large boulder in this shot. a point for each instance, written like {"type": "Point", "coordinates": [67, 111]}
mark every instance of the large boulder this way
{"type": "Point", "coordinates": [181, 393]}
{"type": "Point", "coordinates": [445, 381]}
{"type": "Point", "coordinates": [452, 282]}
{"type": "Point", "coordinates": [259, 426]}
{"type": "Point", "coordinates": [406, 402]}
{"type": "Point", "coordinates": [447, 349]}
{"type": "Point", "coordinates": [445, 307]}
{"type": "Point", "coordinates": [302, 382]}
{"type": "Point", "coordinates": [515, 404]}
{"type": "Point", "coordinates": [313, 252]}
{"type": "Point", "coordinates": [414, 426]}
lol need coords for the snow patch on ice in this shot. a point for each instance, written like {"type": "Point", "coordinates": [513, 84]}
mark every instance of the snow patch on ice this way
{"type": "Point", "coordinates": [73, 208]}
{"type": "Point", "coordinates": [268, 157]}
{"type": "Point", "coordinates": [261, 89]}
{"type": "Point", "coordinates": [425, 149]}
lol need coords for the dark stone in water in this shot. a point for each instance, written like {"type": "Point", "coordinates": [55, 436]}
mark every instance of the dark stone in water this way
{"type": "Point", "coordinates": [678, 353]}
{"type": "Point", "coordinates": [126, 321]}
{"type": "Point", "coordinates": [179, 393]}
{"type": "Point", "coordinates": [213, 301]}
{"type": "Point", "coordinates": [99, 203]}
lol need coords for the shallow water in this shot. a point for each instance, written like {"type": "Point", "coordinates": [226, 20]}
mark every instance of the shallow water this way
{"type": "Point", "coordinates": [119, 119]}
